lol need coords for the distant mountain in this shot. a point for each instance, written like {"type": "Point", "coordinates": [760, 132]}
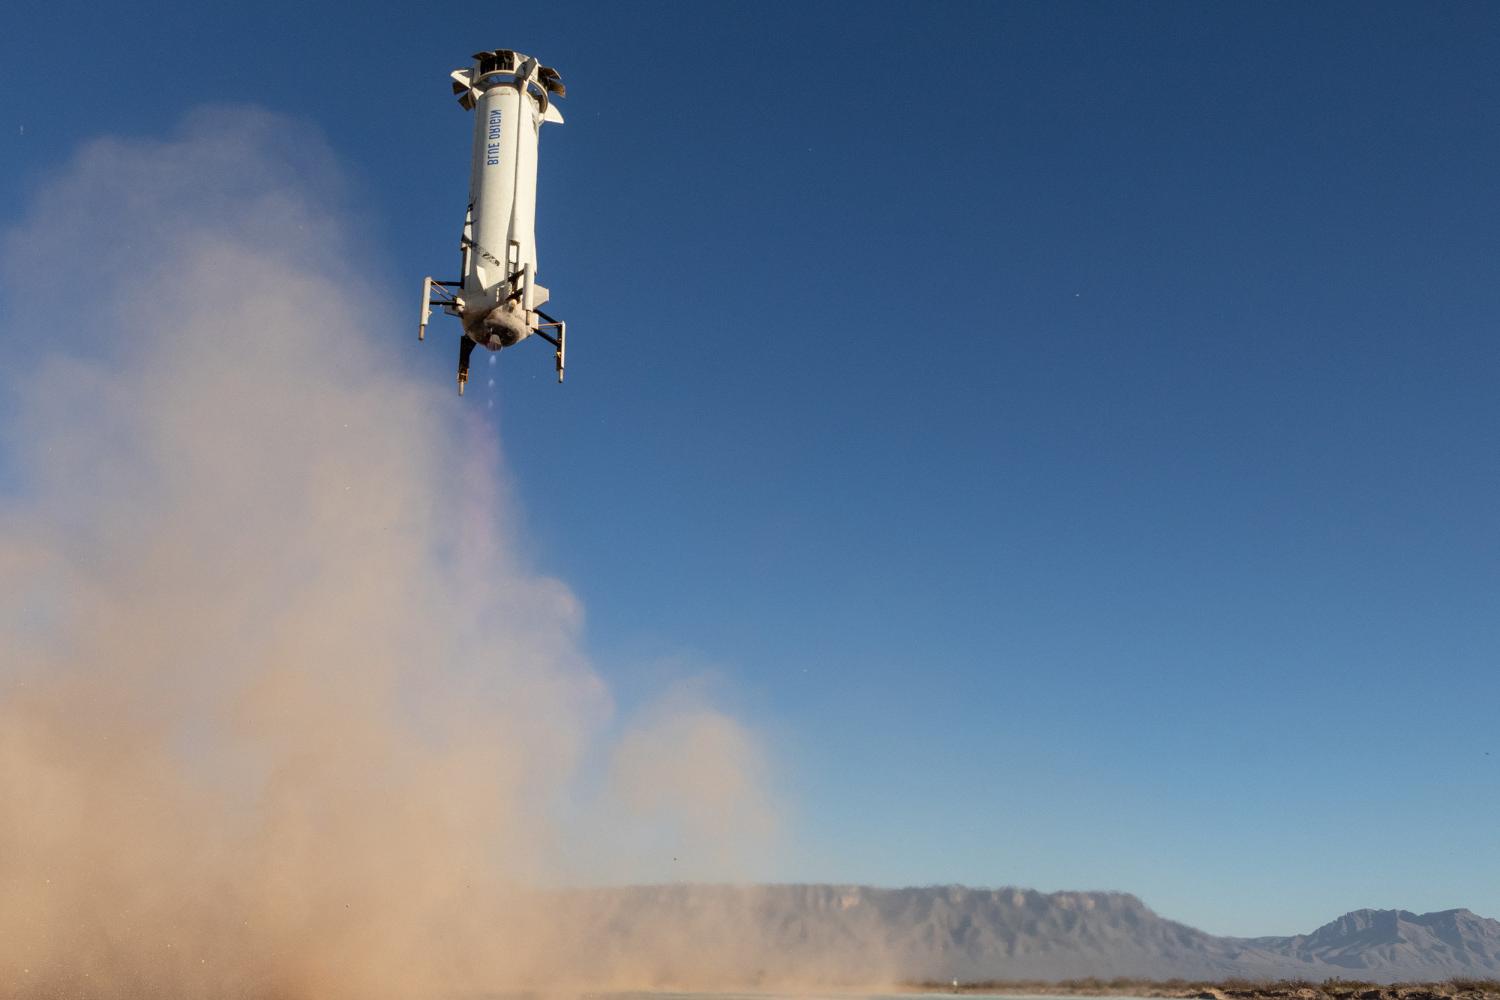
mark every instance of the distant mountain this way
{"type": "Point", "coordinates": [701, 936]}
{"type": "Point", "coordinates": [1396, 944]}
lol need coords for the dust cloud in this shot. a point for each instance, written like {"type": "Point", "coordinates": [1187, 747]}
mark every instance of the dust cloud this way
{"type": "Point", "coordinates": [282, 712]}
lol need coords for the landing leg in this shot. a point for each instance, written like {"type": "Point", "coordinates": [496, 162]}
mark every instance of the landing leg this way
{"type": "Point", "coordinates": [465, 348]}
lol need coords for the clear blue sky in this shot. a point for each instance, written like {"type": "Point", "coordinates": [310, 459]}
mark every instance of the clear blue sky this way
{"type": "Point", "coordinates": [1068, 430]}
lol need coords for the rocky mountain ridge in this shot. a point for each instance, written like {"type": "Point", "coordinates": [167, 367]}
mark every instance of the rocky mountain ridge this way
{"type": "Point", "coordinates": [704, 935]}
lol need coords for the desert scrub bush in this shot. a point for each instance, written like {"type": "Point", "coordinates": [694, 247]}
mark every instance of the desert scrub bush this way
{"type": "Point", "coordinates": [1338, 986]}
{"type": "Point", "coordinates": [1235, 984]}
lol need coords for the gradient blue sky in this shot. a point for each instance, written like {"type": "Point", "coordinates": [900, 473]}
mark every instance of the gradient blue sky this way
{"type": "Point", "coordinates": [1066, 431]}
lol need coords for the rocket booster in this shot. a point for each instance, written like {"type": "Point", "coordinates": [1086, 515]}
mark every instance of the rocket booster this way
{"type": "Point", "coordinates": [497, 297]}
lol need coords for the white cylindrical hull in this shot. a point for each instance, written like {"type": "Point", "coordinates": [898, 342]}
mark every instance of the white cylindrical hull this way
{"type": "Point", "coordinates": [499, 287]}
{"type": "Point", "coordinates": [497, 297]}
{"type": "Point", "coordinates": [502, 187]}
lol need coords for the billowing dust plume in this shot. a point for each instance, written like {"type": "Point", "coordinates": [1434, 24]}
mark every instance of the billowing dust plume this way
{"type": "Point", "coordinates": [282, 714]}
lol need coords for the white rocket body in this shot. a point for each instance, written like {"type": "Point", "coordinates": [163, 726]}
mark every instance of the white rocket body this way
{"type": "Point", "coordinates": [497, 297]}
